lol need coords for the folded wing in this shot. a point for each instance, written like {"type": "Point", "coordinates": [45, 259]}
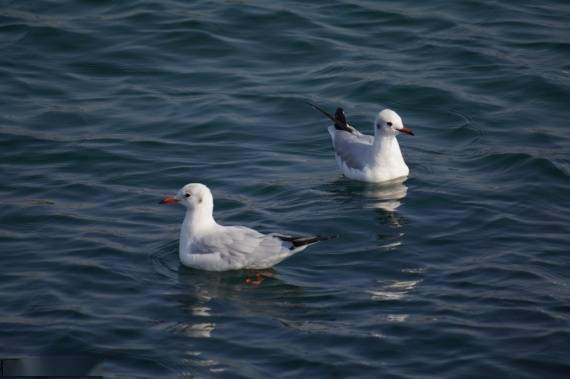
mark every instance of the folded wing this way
{"type": "Point", "coordinates": [352, 149]}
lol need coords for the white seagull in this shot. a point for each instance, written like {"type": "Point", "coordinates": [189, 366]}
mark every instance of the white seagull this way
{"type": "Point", "coordinates": [369, 158]}
{"type": "Point", "coordinates": [207, 245]}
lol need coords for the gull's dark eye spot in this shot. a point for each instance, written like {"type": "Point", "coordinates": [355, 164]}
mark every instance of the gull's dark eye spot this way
{"type": "Point", "coordinates": [187, 195]}
{"type": "Point", "coordinates": [389, 123]}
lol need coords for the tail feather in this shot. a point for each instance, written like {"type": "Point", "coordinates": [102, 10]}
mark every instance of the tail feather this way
{"type": "Point", "coordinates": [305, 240]}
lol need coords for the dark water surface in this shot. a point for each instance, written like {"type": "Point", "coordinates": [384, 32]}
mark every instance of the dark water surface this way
{"type": "Point", "coordinates": [462, 271]}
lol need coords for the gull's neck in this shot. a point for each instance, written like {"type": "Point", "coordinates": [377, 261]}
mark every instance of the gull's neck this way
{"type": "Point", "coordinates": [386, 150]}
{"type": "Point", "coordinates": [198, 220]}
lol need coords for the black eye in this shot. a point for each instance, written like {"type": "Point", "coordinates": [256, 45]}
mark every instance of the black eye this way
{"type": "Point", "coordinates": [187, 195]}
{"type": "Point", "coordinates": [389, 123]}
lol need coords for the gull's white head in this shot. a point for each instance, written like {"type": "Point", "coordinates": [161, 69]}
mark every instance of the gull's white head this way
{"type": "Point", "coordinates": [389, 123]}
{"type": "Point", "coordinates": [193, 196]}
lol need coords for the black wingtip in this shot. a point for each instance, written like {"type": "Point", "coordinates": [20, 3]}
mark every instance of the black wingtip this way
{"type": "Point", "coordinates": [339, 118]}
{"type": "Point", "coordinates": [306, 240]}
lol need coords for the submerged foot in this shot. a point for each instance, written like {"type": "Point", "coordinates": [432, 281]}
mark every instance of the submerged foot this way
{"type": "Point", "coordinates": [259, 277]}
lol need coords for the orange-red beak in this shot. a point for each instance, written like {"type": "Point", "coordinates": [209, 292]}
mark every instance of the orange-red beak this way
{"type": "Point", "coordinates": [170, 200]}
{"type": "Point", "coordinates": [407, 131]}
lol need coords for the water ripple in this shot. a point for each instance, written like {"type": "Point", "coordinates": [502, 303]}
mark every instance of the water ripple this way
{"type": "Point", "coordinates": [106, 107]}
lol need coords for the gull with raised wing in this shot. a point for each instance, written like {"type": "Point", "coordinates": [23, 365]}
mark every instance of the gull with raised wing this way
{"type": "Point", "coordinates": [207, 245]}
{"type": "Point", "coordinates": [369, 158]}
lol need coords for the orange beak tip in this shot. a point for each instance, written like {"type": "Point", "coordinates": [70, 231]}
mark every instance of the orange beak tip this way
{"type": "Point", "coordinates": [170, 200]}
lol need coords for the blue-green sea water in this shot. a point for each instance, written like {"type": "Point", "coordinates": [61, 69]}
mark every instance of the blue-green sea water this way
{"type": "Point", "coordinates": [462, 271]}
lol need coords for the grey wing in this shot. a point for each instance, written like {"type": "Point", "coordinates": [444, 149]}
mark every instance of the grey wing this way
{"type": "Point", "coordinates": [243, 247]}
{"type": "Point", "coordinates": [233, 240]}
{"type": "Point", "coordinates": [271, 251]}
{"type": "Point", "coordinates": [353, 149]}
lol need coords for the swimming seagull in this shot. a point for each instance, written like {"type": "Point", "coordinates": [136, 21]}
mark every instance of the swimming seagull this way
{"type": "Point", "coordinates": [207, 245]}
{"type": "Point", "coordinates": [368, 158]}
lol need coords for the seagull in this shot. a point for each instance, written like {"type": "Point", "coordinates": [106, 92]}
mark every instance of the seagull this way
{"type": "Point", "coordinates": [207, 245]}
{"type": "Point", "coordinates": [368, 158]}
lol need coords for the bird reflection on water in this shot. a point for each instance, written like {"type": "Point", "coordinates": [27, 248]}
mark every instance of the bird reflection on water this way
{"type": "Point", "coordinates": [386, 196]}
{"type": "Point", "coordinates": [386, 199]}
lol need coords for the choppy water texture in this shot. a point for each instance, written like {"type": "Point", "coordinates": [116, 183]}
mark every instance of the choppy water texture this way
{"type": "Point", "coordinates": [462, 271]}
